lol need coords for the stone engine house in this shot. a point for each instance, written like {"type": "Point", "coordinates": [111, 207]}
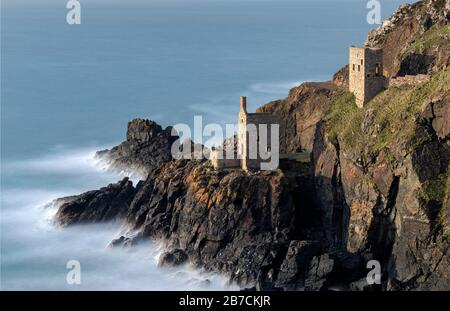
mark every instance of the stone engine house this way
{"type": "Point", "coordinates": [252, 128]}
{"type": "Point", "coordinates": [366, 78]}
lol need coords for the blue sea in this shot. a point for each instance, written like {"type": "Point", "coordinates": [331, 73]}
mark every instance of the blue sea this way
{"type": "Point", "coordinates": [69, 90]}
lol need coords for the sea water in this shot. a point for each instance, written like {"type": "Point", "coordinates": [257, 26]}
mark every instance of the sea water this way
{"type": "Point", "coordinates": [69, 90]}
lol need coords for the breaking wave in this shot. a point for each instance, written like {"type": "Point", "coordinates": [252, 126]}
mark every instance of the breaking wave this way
{"type": "Point", "coordinates": [35, 251]}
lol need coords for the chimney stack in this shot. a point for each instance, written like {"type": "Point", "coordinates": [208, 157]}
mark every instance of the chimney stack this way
{"type": "Point", "coordinates": [244, 103]}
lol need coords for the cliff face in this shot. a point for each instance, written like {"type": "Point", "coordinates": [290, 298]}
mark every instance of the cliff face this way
{"type": "Point", "coordinates": [381, 173]}
{"type": "Point", "coordinates": [382, 178]}
{"type": "Point", "coordinates": [407, 50]}
{"type": "Point", "coordinates": [415, 40]}
{"type": "Point", "coordinates": [300, 112]}
{"type": "Point", "coordinates": [223, 221]}
{"type": "Point", "coordinates": [377, 186]}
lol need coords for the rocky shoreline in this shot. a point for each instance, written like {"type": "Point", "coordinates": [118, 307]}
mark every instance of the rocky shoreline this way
{"type": "Point", "coordinates": [376, 188]}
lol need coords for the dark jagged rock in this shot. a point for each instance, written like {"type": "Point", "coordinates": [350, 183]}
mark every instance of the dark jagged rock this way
{"type": "Point", "coordinates": [295, 267]}
{"type": "Point", "coordinates": [124, 241]}
{"type": "Point", "coordinates": [414, 64]}
{"type": "Point", "coordinates": [148, 145]}
{"type": "Point", "coordinates": [173, 258]}
{"type": "Point", "coordinates": [227, 221]}
{"type": "Point", "coordinates": [224, 221]}
{"type": "Point", "coordinates": [318, 271]}
{"type": "Point", "coordinates": [437, 113]}
{"type": "Point", "coordinates": [107, 204]}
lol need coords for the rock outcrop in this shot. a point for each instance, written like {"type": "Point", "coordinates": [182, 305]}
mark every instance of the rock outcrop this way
{"type": "Point", "coordinates": [173, 258]}
{"type": "Point", "coordinates": [224, 221]}
{"type": "Point", "coordinates": [106, 204]}
{"type": "Point", "coordinates": [299, 114]}
{"type": "Point", "coordinates": [148, 145]}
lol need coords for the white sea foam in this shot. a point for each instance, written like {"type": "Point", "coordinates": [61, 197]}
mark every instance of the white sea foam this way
{"type": "Point", "coordinates": [35, 251]}
{"type": "Point", "coordinates": [64, 161]}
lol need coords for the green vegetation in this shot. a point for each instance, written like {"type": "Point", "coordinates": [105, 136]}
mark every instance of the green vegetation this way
{"type": "Point", "coordinates": [436, 36]}
{"type": "Point", "coordinates": [343, 114]}
{"type": "Point", "coordinates": [446, 235]}
{"type": "Point", "coordinates": [304, 157]}
{"type": "Point", "coordinates": [437, 190]}
{"type": "Point", "coordinates": [392, 121]}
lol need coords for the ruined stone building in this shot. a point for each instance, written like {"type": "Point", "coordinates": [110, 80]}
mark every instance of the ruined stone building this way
{"type": "Point", "coordinates": [409, 80]}
{"type": "Point", "coordinates": [254, 141]}
{"type": "Point", "coordinates": [366, 78]}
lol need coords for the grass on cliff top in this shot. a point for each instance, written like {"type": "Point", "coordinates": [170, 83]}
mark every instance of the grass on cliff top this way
{"type": "Point", "coordinates": [391, 116]}
{"type": "Point", "coordinates": [436, 36]}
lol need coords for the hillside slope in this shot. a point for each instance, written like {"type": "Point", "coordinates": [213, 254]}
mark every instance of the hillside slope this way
{"type": "Point", "coordinates": [382, 181]}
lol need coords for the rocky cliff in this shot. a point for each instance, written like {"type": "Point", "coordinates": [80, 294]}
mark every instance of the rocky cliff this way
{"type": "Point", "coordinates": [415, 38]}
{"type": "Point", "coordinates": [382, 173]}
{"type": "Point", "coordinates": [377, 186]}
{"type": "Point", "coordinates": [382, 178]}
{"type": "Point", "coordinates": [300, 113]}
{"type": "Point", "coordinates": [147, 146]}
{"type": "Point", "coordinates": [227, 221]}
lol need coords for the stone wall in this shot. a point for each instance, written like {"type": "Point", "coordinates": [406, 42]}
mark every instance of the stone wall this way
{"type": "Point", "coordinates": [255, 120]}
{"type": "Point", "coordinates": [366, 78]}
{"type": "Point", "coordinates": [249, 137]}
{"type": "Point", "coordinates": [219, 161]}
{"type": "Point", "coordinates": [409, 80]}
{"type": "Point", "coordinates": [373, 73]}
{"type": "Point", "coordinates": [356, 74]}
